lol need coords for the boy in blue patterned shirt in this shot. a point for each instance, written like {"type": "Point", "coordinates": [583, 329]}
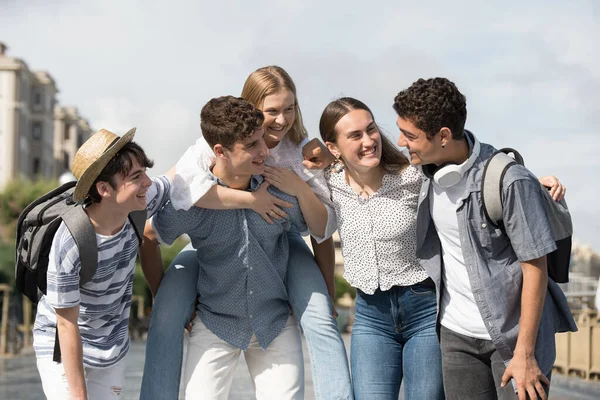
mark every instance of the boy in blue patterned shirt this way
{"type": "Point", "coordinates": [242, 299]}
{"type": "Point", "coordinates": [92, 319]}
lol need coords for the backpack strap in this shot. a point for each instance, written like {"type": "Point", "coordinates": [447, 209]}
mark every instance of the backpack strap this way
{"type": "Point", "coordinates": [138, 220]}
{"type": "Point", "coordinates": [493, 175]}
{"type": "Point", "coordinates": [82, 230]}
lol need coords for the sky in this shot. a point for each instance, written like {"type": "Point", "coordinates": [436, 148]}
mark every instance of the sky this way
{"type": "Point", "coordinates": [530, 70]}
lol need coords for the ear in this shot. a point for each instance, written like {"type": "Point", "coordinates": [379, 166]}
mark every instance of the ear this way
{"type": "Point", "coordinates": [333, 149]}
{"type": "Point", "coordinates": [220, 151]}
{"type": "Point", "coordinates": [103, 188]}
{"type": "Point", "coordinates": [445, 135]}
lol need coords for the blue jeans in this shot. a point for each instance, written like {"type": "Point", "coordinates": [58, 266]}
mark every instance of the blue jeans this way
{"type": "Point", "coordinates": [309, 298]}
{"type": "Point", "coordinates": [394, 338]}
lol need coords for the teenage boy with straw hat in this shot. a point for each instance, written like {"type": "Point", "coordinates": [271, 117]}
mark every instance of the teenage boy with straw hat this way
{"type": "Point", "coordinates": [92, 318]}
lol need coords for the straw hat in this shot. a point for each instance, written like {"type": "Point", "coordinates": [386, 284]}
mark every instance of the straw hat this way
{"type": "Point", "coordinates": [92, 157]}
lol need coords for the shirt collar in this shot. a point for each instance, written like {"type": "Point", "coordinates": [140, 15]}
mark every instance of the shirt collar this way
{"type": "Point", "coordinates": [255, 182]}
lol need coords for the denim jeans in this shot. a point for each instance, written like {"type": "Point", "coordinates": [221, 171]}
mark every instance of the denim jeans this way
{"type": "Point", "coordinates": [394, 338]}
{"type": "Point", "coordinates": [309, 298]}
{"type": "Point", "coordinates": [473, 368]}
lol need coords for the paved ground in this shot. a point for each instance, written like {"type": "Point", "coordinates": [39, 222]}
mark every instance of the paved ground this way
{"type": "Point", "coordinates": [19, 380]}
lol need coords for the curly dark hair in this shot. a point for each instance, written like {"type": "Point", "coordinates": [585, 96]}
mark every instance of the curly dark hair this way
{"type": "Point", "coordinates": [227, 119]}
{"type": "Point", "coordinates": [432, 104]}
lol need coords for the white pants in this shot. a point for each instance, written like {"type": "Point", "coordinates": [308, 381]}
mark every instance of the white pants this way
{"type": "Point", "coordinates": [277, 372]}
{"type": "Point", "coordinates": [101, 383]}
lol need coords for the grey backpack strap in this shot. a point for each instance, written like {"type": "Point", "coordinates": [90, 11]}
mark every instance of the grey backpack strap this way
{"type": "Point", "coordinates": [491, 192]}
{"type": "Point", "coordinates": [83, 233]}
{"type": "Point", "coordinates": [138, 220]}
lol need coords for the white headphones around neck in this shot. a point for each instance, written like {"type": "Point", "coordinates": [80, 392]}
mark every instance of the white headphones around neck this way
{"type": "Point", "coordinates": [450, 174]}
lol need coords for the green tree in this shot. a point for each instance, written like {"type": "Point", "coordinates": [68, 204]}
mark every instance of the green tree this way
{"type": "Point", "coordinates": [140, 287]}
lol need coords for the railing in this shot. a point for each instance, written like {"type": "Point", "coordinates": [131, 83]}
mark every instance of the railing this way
{"type": "Point", "coordinates": [5, 290]}
{"type": "Point", "coordinates": [578, 353]}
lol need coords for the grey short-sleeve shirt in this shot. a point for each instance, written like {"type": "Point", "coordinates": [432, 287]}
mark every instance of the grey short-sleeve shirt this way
{"type": "Point", "coordinates": [493, 257]}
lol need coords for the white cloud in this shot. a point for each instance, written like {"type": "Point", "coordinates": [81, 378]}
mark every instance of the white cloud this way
{"type": "Point", "coordinates": [530, 70]}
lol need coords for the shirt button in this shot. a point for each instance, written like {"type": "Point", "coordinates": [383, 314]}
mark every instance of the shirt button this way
{"type": "Point", "coordinates": [423, 194]}
{"type": "Point", "coordinates": [483, 225]}
{"type": "Point", "coordinates": [250, 268]}
{"type": "Point", "coordinates": [250, 316]}
{"type": "Point", "coordinates": [251, 292]}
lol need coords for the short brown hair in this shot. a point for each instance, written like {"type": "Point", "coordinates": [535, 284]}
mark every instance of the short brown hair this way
{"type": "Point", "coordinates": [392, 159]}
{"type": "Point", "coordinates": [432, 104]}
{"type": "Point", "coordinates": [227, 119]}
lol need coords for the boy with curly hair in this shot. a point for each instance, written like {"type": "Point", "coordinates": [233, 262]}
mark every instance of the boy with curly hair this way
{"type": "Point", "coordinates": [498, 310]}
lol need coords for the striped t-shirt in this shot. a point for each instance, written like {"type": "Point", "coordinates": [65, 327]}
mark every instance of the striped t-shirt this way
{"type": "Point", "coordinates": [105, 301]}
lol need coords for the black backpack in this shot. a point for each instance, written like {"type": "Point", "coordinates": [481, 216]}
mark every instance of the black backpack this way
{"type": "Point", "coordinates": [557, 211]}
{"type": "Point", "coordinates": [36, 227]}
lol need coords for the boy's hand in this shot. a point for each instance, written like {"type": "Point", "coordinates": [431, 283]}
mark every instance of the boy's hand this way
{"type": "Point", "coordinates": [316, 155]}
{"type": "Point", "coordinates": [528, 377]}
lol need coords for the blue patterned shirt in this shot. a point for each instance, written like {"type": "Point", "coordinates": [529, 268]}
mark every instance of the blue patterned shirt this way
{"type": "Point", "coordinates": [243, 264]}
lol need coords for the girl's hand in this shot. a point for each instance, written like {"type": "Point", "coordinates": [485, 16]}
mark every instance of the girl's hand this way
{"type": "Point", "coordinates": [285, 180]}
{"type": "Point", "coordinates": [267, 205]}
{"type": "Point", "coordinates": [316, 155]}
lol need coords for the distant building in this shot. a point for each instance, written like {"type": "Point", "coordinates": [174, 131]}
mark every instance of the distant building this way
{"type": "Point", "coordinates": [70, 131]}
{"type": "Point", "coordinates": [585, 261]}
{"type": "Point", "coordinates": [30, 146]}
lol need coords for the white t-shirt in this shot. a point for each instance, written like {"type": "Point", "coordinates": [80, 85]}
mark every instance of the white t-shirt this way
{"type": "Point", "coordinates": [458, 310]}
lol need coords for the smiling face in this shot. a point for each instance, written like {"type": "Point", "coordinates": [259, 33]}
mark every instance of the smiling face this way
{"type": "Point", "coordinates": [279, 110]}
{"type": "Point", "coordinates": [247, 156]}
{"type": "Point", "coordinates": [129, 192]}
{"type": "Point", "coordinates": [358, 141]}
{"type": "Point", "coordinates": [422, 150]}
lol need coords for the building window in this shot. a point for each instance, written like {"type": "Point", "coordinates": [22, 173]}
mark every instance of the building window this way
{"type": "Point", "coordinates": [79, 139]}
{"type": "Point", "coordinates": [36, 166]}
{"type": "Point", "coordinates": [37, 98]}
{"type": "Point", "coordinates": [67, 131]}
{"type": "Point", "coordinates": [66, 161]}
{"type": "Point", "coordinates": [36, 131]}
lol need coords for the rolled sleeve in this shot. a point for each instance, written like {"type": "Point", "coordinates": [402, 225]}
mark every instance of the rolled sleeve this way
{"type": "Point", "coordinates": [192, 175]}
{"type": "Point", "coordinates": [63, 271]}
{"type": "Point", "coordinates": [525, 220]}
{"type": "Point", "coordinates": [157, 194]}
{"type": "Point", "coordinates": [319, 186]}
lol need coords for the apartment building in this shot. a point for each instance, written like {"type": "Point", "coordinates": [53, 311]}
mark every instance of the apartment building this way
{"type": "Point", "coordinates": [38, 138]}
{"type": "Point", "coordinates": [70, 131]}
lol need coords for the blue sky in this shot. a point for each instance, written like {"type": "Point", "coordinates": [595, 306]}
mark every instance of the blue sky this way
{"type": "Point", "coordinates": [530, 70]}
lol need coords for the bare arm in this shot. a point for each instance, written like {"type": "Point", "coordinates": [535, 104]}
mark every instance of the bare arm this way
{"type": "Point", "coordinates": [325, 256]}
{"type": "Point", "coordinates": [523, 368]}
{"type": "Point", "coordinates": [151, 259]}
{"type": "Point", "coordinates": [313, 210]}
{"type": "Point", "coordinates": [71, 350]}
{"type": "Point", "coordinates": [261, 201]}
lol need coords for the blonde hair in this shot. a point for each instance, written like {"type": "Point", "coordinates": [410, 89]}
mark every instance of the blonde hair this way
{"type": "Point", "coordinates": [269, 80]}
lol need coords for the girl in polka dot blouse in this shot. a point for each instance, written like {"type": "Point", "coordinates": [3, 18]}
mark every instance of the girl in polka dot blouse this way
{"type": "Point", "coordinates": [374, 190]}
